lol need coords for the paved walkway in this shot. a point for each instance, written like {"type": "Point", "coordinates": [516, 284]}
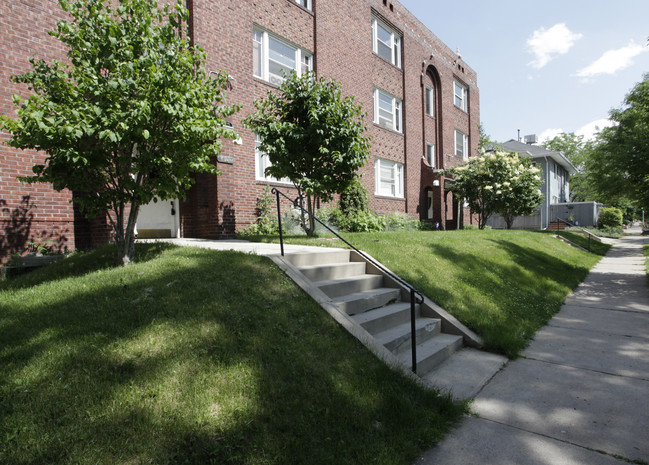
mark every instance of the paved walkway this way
{"type": "Point", "coordinates": [258, 248]}
{"type": "Point", "coordinates": [580, 393]}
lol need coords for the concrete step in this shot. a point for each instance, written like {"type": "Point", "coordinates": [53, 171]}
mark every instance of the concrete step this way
{"type": "Point", "coordinates": [299, 259]}
{"type": "Point", "coordinates": [332, 271]}
{"type": "Point", "coordinates": [341, 287]}
{"type": "Point", "coordinates": [383, 318]}
{"type": "Point", "coordinates": [359, 302]}
{"type": "Point", "coordinates": [398, 338]}
{"type": "Point", "coordinates": [432, 352]}
{"type": "Point", "coordinates": [465, 373]}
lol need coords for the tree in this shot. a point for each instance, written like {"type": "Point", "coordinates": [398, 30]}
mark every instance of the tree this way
{"type": "Point", "coordinates": [498, 182]}
{"type": "Point", "coordinates": [577, 151]}
{"type": "Point", "coordinates": [520, 194]}
{"type": "Point", "coordinates": [129, 119]}
{"type": "Point", "coordinates": [619, 164]}
{"type": "Point", "coordinates": [312, 136]}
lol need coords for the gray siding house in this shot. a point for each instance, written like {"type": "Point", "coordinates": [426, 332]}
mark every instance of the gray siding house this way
{"type": "Point", "coordinates": [555, 172]}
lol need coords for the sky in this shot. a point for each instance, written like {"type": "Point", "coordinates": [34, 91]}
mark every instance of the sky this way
{"type": "Point", "coordinates": [545, 67]}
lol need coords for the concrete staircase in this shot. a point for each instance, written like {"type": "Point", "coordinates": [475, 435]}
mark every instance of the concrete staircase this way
{"type": "Point", "coordinates": [376, 309]}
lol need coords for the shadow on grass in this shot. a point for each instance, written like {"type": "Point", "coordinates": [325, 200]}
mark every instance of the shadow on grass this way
{"type": "Point", "coordinates": [504, 300]}
{"type": "Point", "coordinates": [81, 263]}
{"type": "Point", "coordinates": [197, 356]}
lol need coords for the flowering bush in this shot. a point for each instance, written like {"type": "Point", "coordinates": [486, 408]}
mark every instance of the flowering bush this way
{"type": "Point", "coordinates": [498, 182]}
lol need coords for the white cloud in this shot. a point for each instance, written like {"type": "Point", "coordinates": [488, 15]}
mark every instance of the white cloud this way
{"type": "Point", "coordinates": [613, 60]}
{"type": "Point", "coordinates": [547, 44]}
{"type": "Point", "coordinates": [591, 129]}
{"type": "Point", "coordinates": [588, 130]}
{"type": "Point", "coordinates": [549, 134]}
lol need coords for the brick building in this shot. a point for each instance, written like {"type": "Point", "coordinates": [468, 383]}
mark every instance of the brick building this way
{"type": "Point", "coordinates": [421, 99]}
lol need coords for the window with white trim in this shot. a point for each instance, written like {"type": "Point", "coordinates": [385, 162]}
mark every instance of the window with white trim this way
{"type": "Point", "coordinates": [430, 101]}
{"type": "Point", "coordinates": [461, 145]}
{"type": "Point", "coordinates": [461, 93]}
{"type": "Point", "coordinates": [274, 57]}
{"type": "Point", "coordinates": [430, 154]}
{"type": "Point", "coordinates": [305, 3]}
{"type": "Point", "coordinates": [386, 43]}
{"type": "Point", "coordinates": [388, 176]}
{"type": "Point", "coordinates": [262, 162]}
{"type": "Point", "coordinates": [387, 110]}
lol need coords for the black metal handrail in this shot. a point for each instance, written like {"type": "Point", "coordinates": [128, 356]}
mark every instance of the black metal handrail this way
{"type": "Point", "coordinates": [416, 297]}
{"type": "Point", "coordinates": [571, 224]}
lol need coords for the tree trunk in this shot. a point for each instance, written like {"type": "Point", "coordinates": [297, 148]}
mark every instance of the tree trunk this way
{"type": "Point", "coordinates": [125, 238]}
{"type": "Point", "coordinates": [310, 227]}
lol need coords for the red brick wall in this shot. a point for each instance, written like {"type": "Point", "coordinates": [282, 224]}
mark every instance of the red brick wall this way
{"type": "Point", "coordinates": [339, 35]}
{"type": "Point", "coordinates": [28, 213]}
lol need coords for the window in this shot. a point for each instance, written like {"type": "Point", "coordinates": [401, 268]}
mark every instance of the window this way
{"type": "Point", "coordinates": [386, 43]}
{"type": "Point", "coordinates": [262, 162]}
{"type": "Point", "coordinates": [461, 145]}
{"type": "Point", "coordinates": [430, 154]}
{"type": "Point", "coordinates": [273, 57]}
{"type": "Point", "coordinates": [430, 101]}
{"type": "Point", "coordinates": [387, 110]}
{"type": "Point", "coordinates": [305, 3]}
{"type": "Point", "coordinates": [460, 95]}
{"type": "Point", "coordinates": [388, 176]}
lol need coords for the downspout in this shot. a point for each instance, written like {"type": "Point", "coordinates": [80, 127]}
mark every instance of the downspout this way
{"type": "Point", "coordinates": [547, 193]}
{"type": "Point", "coordinates": [423, 137]}
{"type": "Point", "coordinates": [314, 6]}
{"type": "Point", "coordinates": [403, 123]}
{"type": "Point", "coordinates": [190, 22]}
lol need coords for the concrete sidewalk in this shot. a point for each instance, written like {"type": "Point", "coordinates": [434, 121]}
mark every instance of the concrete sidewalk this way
{"type": "Point", "coordinates": [580, 393]}
{"type": "Point", "coordinates": [257, 248]}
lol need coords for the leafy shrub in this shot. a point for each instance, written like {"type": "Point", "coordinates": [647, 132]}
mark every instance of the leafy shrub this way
{"type": "Point", "coordinates": [610, 217]}
{"type": "Point", "coordinates": [354, 199]}
{"type": "Point", "coordinates": [399, 221]}
{"type": "Point", "coordinates": [367, 221]}
{"type": "Point", "coordinates": [266, 220]}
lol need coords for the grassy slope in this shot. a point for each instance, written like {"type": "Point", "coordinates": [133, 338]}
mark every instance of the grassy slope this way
{"type": "Point", "coordinates": [504, 285]}
{"type": "Point", "coordinates": [194, 356]}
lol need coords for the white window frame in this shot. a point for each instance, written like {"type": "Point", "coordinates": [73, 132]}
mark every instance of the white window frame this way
{"type": "Point", "coordinates": [430, 101]}
{"type": "Point", "coordinates": [461, 145]}
{"type": "Point", "coordinates": [430, 154]}
{"type": "Point", "coordinates": [262, 162]}
{"type": "Point", "coordinates": [460, 93]}
{"type": "Point", "coordinates": [390, 118]}
{"type": "Point", "coordinates": [391, 186]}
{"type": "Point", "coordinates": [393, 43]}
{"type": "Point", "coordinates": [303, 60]}
{"type": "Point", "coordinates": [305, 3]}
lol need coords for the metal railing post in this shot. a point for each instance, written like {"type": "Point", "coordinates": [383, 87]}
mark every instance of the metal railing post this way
{"type": "Point", "coordinates": [413, 331]}
{"type": "Point", "coordinates": [279, 222]}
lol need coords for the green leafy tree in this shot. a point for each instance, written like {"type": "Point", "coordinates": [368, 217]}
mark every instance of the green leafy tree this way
{"type": "Point", "coordinates": [578, 151]}
{"type": "Point", "coordinates": [312, 136]}
{"type": "Point", "coordinates": [129, 118]}
{"type": "Point", "coordinates": [619, 165]}
{"type": "Point", "coordinates": [498, 182]}
{"type": "Point", "coordinates": [520, 194]}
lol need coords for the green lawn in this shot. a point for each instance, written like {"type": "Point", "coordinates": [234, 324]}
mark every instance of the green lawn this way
{"type": "Point", "coordinates": [192, 356]}
{"type": "Point", "coordinates": [504, 285]}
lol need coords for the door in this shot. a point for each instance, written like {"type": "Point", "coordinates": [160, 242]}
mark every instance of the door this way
{"type": "Point", "coordinates": [429, 195]}
{"type": "Point", "coordinates": [158, 219]}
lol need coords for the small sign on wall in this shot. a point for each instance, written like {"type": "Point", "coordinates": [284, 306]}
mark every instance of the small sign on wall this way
{"type": "Point", "coordinates": [225, 159]}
